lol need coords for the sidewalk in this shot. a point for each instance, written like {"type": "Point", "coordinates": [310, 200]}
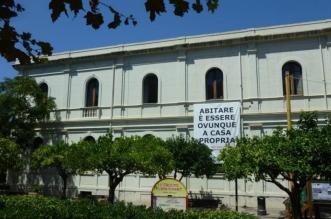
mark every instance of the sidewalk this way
{"type": "Point", "coordinates": [325, 213]}
{"type": "Point", "coordinates": [271, 213]}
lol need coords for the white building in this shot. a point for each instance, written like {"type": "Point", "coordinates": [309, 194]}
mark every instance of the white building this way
{"type": "Point", "coordinates": [151, 88]}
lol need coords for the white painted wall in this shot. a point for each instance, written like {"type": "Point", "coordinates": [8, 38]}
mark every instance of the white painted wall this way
{"type": "Point", "coordinates": [252, 73]}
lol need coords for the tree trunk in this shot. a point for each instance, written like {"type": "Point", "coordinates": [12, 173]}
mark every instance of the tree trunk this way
{"type": "Point", "coordinates": [111, 196]}
{"type": "Point", "coordinates": [3, 177]}
{"type": "Point", "coordinates": [295, 203]}
{"type": "Point", "coordinates": [64, 188]}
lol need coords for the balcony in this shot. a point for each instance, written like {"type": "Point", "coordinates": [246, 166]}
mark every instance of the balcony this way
{"type": "Point", "coordinates": [91, 112]}
{"type": "Point", "coordinates": [251, 106]}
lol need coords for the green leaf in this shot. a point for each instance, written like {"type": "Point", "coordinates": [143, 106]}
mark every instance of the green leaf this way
{"type": "Point", "coordinates": [212, 5]}
{"type": "Point", "coordinates": [75, 6]}
{"type": "Point", "coordinates": [197, 6]}
{"type": "Point", "coordinates": [154, 7]}
{"type": "Point", "coordinates": [94, 19]}
{"type": "Point", "coordinates": [181, 7]}
{"type": "Point", "coordinates": [116, 22]}
{"type": "Point", "coordinates": [57, 7]}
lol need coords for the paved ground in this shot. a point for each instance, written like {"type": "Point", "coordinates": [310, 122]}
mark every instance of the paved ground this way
{"type": "Point", "coordinates": [271, 213]}
{"type": "Point", "coordinates": [325, 213]}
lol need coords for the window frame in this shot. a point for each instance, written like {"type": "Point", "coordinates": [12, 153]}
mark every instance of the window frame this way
{"type": "Point", "coordinates": [215, 85]}
{"type": "Point", "coordinates": [293, 86]}
{"type": "Point", "coordinates": [156, 96]}
{"type": "Point", "coordinates": [93, 96]}
{"type": "Point", "coordinates": [43, 85]}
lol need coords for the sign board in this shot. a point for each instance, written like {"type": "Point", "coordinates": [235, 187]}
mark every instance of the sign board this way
{"type": "Point", "coordinates": [321, 191]}
{"type": "Point", "coordinates": [217, 124]}
{"type": "Point", "coordinates": [168, 203]}
{"type": "Point", "coordinates": [169, 194]}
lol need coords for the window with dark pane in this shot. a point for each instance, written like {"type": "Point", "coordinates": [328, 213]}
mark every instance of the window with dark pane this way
{"type": "Point", "coordinates": [44, 88]}
{"type": "Point", "coordinates": [37, 142]}
{"type": "Point", "coordinates": [89, 139]}
{"type": "Point", "coordinates": [295, 71]}
{"type": "Point", "coordinates": [150, 89]}
{"type": "Point", "coordinates": [214, 84]}
{"type": "Point", "coordinates": [92, 93]}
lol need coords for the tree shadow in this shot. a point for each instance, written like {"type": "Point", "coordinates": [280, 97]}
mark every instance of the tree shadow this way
{"type": "Point", "coordinates": [204, 199]}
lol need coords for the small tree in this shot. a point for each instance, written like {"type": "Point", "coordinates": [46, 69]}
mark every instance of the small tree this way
{"type": "Point", "coordinates": [190, 157]}
{"type": "Point", "coordinates": [296, 155]}
{"type": "Point", "coordinates": [22, 106]}
{"type": "Point", "coordinates": [123, 156]}
{"type": "Point", "coordinates": [10, 157]}
{"type": "Point", "coordinates": [58, 156]}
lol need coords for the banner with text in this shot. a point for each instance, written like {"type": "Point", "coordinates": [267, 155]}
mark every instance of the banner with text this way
{"type": "Point", "coordinates": [217, 124]}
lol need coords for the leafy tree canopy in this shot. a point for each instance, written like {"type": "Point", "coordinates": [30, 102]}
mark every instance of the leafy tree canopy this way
{"type": "Point", "coordinates": [59, 156]}
{"type": "Point", "coordinates": [190, 157]}
{"type": "Point", "coordinates": [122, 156]}
{"type": "Point", "coordinates": [22, 106]}
{"type": "Point", "coordinates": [297, 155]}
{"type": "Point", "coordinates": [23, 46]}
{"type": "Point", "coordinates": [10, 155]}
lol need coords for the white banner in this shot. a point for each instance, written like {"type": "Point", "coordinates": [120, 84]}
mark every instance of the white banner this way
{"type": "Point", "coordinates": [321, 191]}
{"type": "Point", "coordinates": [217, 124]}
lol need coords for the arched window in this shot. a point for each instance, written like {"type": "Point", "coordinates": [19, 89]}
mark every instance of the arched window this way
{"type": "Point", "coordinates": [150, 89]}
{"type": "Point", "coordinates": [214, 84]}
{"type": "Point", "coordinates": [295, 71]}
{"type": "Point", "coordinates": [44, 88]}
{"type": "Point", "coordinates": [89, 139]}
{"type": "Point", "coordinates": [37, 142]}
{"type": "Point", "coordinates": [148, 136]}
{"type": "Point", "coordinates": [92, 93]}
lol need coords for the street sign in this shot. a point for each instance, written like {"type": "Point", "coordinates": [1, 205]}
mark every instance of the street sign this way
{"type": "Point", "coordinates": [169, 194]}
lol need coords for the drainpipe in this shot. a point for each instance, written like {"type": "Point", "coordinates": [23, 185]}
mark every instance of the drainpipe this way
{"type": "Point", "coordinates": [323, 71]}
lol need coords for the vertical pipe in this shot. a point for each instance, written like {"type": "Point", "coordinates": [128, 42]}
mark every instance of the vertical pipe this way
{"type": "Point", "coordinates": [68, 94]}
{"type": "Point", "coordinates": [324, 77]}
{"type": "Point", "coordinates": [113, 94]}
{"type": "Point", "coordinates": [236, 196]}
{"type": "Point", "coordinates": [288, 100]}
{"type": "Point", "coordinates": [241, 119]}
{"type": "Point", "coordinates": [289, 116]}
{"type": "Point", "coordinates": [186, 77]}
{"type": "Point", "coordinates": [186, 85]}
{"type": "Point", "coordinates": [122, 91]}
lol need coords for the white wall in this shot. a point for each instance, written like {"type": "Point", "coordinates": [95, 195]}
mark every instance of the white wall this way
{"type": "Point", "coordinates": [252, 72]}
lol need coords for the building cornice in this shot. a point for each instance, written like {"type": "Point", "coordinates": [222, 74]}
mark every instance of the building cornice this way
{"type": "Point", "coordinates": [253, 35]}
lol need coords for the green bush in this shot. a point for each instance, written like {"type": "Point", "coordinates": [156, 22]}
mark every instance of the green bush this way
{"type": "Point", "coordinates": [51, 208]}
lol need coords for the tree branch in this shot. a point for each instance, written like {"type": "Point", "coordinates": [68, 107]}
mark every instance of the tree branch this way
{"type": "Point", "coordinates": [285, 176]}
{"type": "Point", "coordinates": [272, 180]}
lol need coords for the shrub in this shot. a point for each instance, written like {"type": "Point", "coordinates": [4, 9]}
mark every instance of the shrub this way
{"type": "Point", "coordinates": [46, 208]}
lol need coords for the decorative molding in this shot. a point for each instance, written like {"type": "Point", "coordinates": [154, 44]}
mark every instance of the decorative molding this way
{"type": "Point", "coordinates": [251, 48]}
{"type": "Point", "coordinates": [181, 54]}
{"type": "Point", "coordinates": [254, 35]}
{"type": "Point", "coordinates": [255, 125]}
{"type": "Point", "coordinates": [182, 128]}
{"type": "Point", "coordinates": [181, 58]}
{"type": "Point", "coordinates": [119, 65]}
{"type": "Point", "coordinates": [328, 41]}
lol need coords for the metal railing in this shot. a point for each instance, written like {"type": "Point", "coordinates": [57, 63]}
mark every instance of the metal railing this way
{"type": "Point", "coordinates": [90, 112]}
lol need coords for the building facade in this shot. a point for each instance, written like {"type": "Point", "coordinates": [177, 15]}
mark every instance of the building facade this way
{"type": "Point", "coordinates": [151, 88]}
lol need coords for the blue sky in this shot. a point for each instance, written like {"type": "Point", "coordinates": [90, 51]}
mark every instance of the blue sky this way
{"type": "Point", "coordinates": [72, 33]}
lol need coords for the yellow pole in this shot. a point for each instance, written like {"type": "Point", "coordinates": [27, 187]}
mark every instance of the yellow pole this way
{"type": "Point", "coordinates": [288, 113]}
{"type": "Point", "coordinates": [289, 126]}
{"type": "Point", "coordinates": [288, 100]}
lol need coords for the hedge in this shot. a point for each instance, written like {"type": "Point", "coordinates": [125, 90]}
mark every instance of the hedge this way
{"type": "Point", "coordinates": [52, 208]}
